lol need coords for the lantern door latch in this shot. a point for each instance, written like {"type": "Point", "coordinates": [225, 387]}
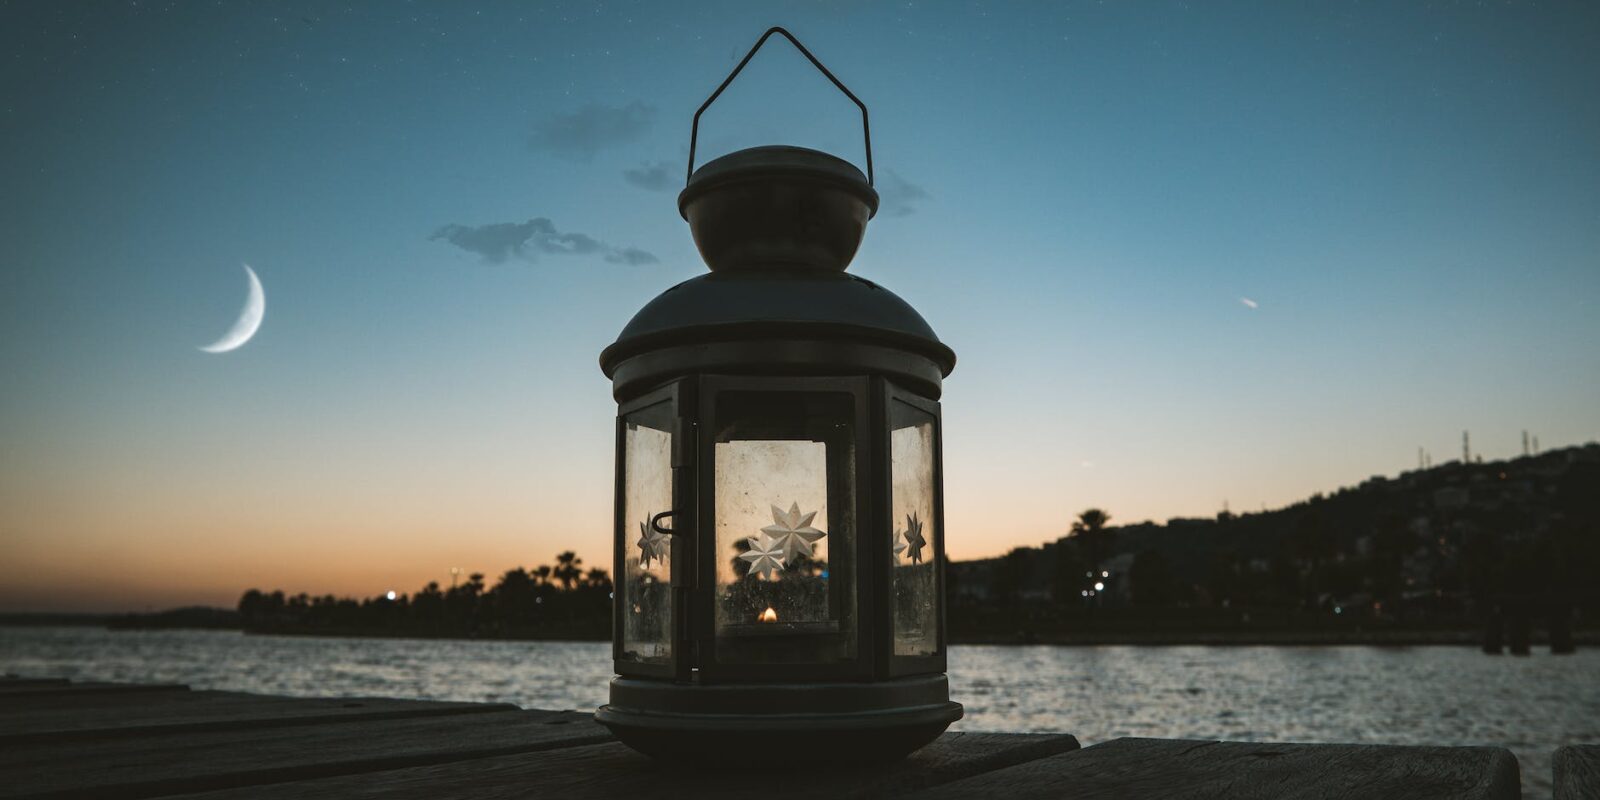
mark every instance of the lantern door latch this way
{"type": "Point", "coordinates": [655, 522]}
{"type": "Point", "coordinates": [685, 444]}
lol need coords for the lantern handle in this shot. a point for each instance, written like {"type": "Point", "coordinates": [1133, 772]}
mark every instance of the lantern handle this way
{"type": "Point", "coordinates": [866, 129]}
{"type": "Point", "coordinates": [655, 522]}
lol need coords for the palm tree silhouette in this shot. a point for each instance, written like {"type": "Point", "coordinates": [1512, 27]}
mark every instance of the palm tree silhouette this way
{"type": "Point", "coordinates": [1090, 526]}
{"type": "Point", "coordinates": [567, 568]}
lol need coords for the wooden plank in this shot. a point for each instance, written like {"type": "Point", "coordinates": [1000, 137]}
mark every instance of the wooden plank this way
{"type": "Point", "coordinates": [10, 680]}
{"type": "Point", "coordinates": [9, 692]}
{"type": "Point", "coordinates": [208, 711]}
{"type": "Point", "coordinates": [1173, 768]}
{"type": "Point", "coordinates": [612, 771]}
{"type": "Point", "coordinates": [189, 762]}
{"type": "Point", "coordinates": [90, 701]}
{"type": "Point", "coordinates": [1576, 770]}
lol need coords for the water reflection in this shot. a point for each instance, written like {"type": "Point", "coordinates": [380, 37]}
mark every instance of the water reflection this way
{"type": "Point", "coordinates": [1434, 695]}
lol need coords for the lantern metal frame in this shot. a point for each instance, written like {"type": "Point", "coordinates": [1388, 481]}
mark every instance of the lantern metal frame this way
{"type": "Point", "coordinates": [694, 650]}
{"type": "Point", "coordinates": [778, 314]}
{"type": "Point", "coordinates": [898, 665]}
{"type": "Point", "coordinates": [682, 516]}
{"type": "Point", "coordinates": [703, 605]}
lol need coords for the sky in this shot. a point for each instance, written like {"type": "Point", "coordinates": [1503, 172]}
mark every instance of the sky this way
{"type": "Point", "coordinates": [1188, 255]}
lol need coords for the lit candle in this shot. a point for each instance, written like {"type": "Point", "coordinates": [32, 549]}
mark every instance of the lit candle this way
{"type": "Point", "coordinates": [769, 615]}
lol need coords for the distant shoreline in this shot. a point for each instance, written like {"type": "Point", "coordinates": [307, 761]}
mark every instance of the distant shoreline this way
{"type": "Point", "coordinates": [1098, 639]}
{"type": "Point", "coordinates": [1429, 638]}
{"type": "Point", "coordinates": [1221, 638]}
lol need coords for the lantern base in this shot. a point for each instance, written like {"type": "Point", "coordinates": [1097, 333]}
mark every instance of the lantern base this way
{"type": "Point", "coordinates": [838, 723]}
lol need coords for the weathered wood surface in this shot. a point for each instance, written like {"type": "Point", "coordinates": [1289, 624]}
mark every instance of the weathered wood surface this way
{"type": "Point", "coordinates": [18, 690]}
{"type": "Point", "coordinates": [109, 740]}
{"type": "Point", "coordinates": [1576, 770]}
{"type": "Point", "coordinates": [213, 711]}
{"type": "Point", "coordinates": [1173, 768]}
{"type": "Point", "coordinates": [12, 681]}
{"type": "Point", "coordinates": [113, 715]}
{"type": "Point", "coordinates": [146, 765]}
{"type": "Point", "coordinates": [613, 771]}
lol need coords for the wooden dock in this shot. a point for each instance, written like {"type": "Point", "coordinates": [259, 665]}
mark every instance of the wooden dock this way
{"type": "Point", "coordinates": [61, 739]}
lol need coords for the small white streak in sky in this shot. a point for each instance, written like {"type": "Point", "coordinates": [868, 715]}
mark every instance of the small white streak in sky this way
{"type": "Point", "coordinates": [1249, 303]}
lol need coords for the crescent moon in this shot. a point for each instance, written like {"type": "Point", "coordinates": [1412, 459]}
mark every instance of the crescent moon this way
{"type": "Point", "coordinates": [255, 307]}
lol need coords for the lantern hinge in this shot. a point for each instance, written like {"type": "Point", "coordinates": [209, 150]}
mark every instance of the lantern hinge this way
{"type": "Point", "coordinates": [684, 443]}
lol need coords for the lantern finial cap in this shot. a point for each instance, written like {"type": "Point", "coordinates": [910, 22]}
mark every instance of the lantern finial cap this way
{"type": "Point", "coordinates": [778, 206]}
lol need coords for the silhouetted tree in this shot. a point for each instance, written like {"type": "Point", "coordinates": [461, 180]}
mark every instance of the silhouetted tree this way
{"type": "Point", "coordinates": [1090, 528]}
{"type": "Point", "coordinates": [567, 569]}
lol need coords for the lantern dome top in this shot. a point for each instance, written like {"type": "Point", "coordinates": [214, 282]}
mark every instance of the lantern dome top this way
{"type": "Point", "coordinates": [740, 305]}
{"type": "Point", "coordinates": [776, 320]}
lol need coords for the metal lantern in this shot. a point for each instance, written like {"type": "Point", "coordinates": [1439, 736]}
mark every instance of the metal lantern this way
{"type": "Point", "coordinates": [779, 525]}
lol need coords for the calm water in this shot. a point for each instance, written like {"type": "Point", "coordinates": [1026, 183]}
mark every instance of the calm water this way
{"type": "Point", "coordinates": [1433, 695]}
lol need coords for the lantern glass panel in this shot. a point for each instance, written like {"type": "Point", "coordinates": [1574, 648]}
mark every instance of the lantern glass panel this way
{"type": "Point", "coordinates": [646, 590]}
{"type": "Point", "coordinates": [785, 510]}
{"type": "Point", "coordinates": [915, 530]}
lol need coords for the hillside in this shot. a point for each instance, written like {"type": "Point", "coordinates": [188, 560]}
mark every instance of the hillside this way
{"type": "Point", "coordinates": [1443, 545]}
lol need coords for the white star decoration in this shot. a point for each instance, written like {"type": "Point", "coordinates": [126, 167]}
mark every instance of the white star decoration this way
{"type": "Point", "coordinates": [765, 555]}
{"type": "Point", "coordinates": [914, 538]}
{"type": "Point", "coordinates": [652, 545]}
{"type": "Point", "coordinates": [899, 546]}
{"type": "Point", "coordinates": [793, 531]}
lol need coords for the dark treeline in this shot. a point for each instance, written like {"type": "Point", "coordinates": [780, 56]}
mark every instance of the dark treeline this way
{"type": "Point", "coordinates": [563, 601]}
{"type": "Point", "coordinates": [1437, 549]}
{"type": "Point", "coordinates": [1431, 551]}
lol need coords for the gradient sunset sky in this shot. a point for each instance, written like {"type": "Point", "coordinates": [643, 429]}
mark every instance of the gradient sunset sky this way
{"type": "Point", "coordinates": [1188, 254]}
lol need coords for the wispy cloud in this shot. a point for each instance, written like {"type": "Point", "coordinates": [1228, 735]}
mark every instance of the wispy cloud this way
{"type": "Point", "coordinates": [898, 197]}
{"type": "Point", "coordinates": [631, 255]}
{"type": "Point", "coordinates": [657, 176]}
{"type": "Point", "coordinates": [592, 128]}
{"type": "Point", "coordinates": [499, 241]}
{"type": "Point", "coordinates": [1249, 303]}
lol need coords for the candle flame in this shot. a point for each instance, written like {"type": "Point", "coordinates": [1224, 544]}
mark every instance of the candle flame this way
{"type": "Point", "coordinates": [769, 615]}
